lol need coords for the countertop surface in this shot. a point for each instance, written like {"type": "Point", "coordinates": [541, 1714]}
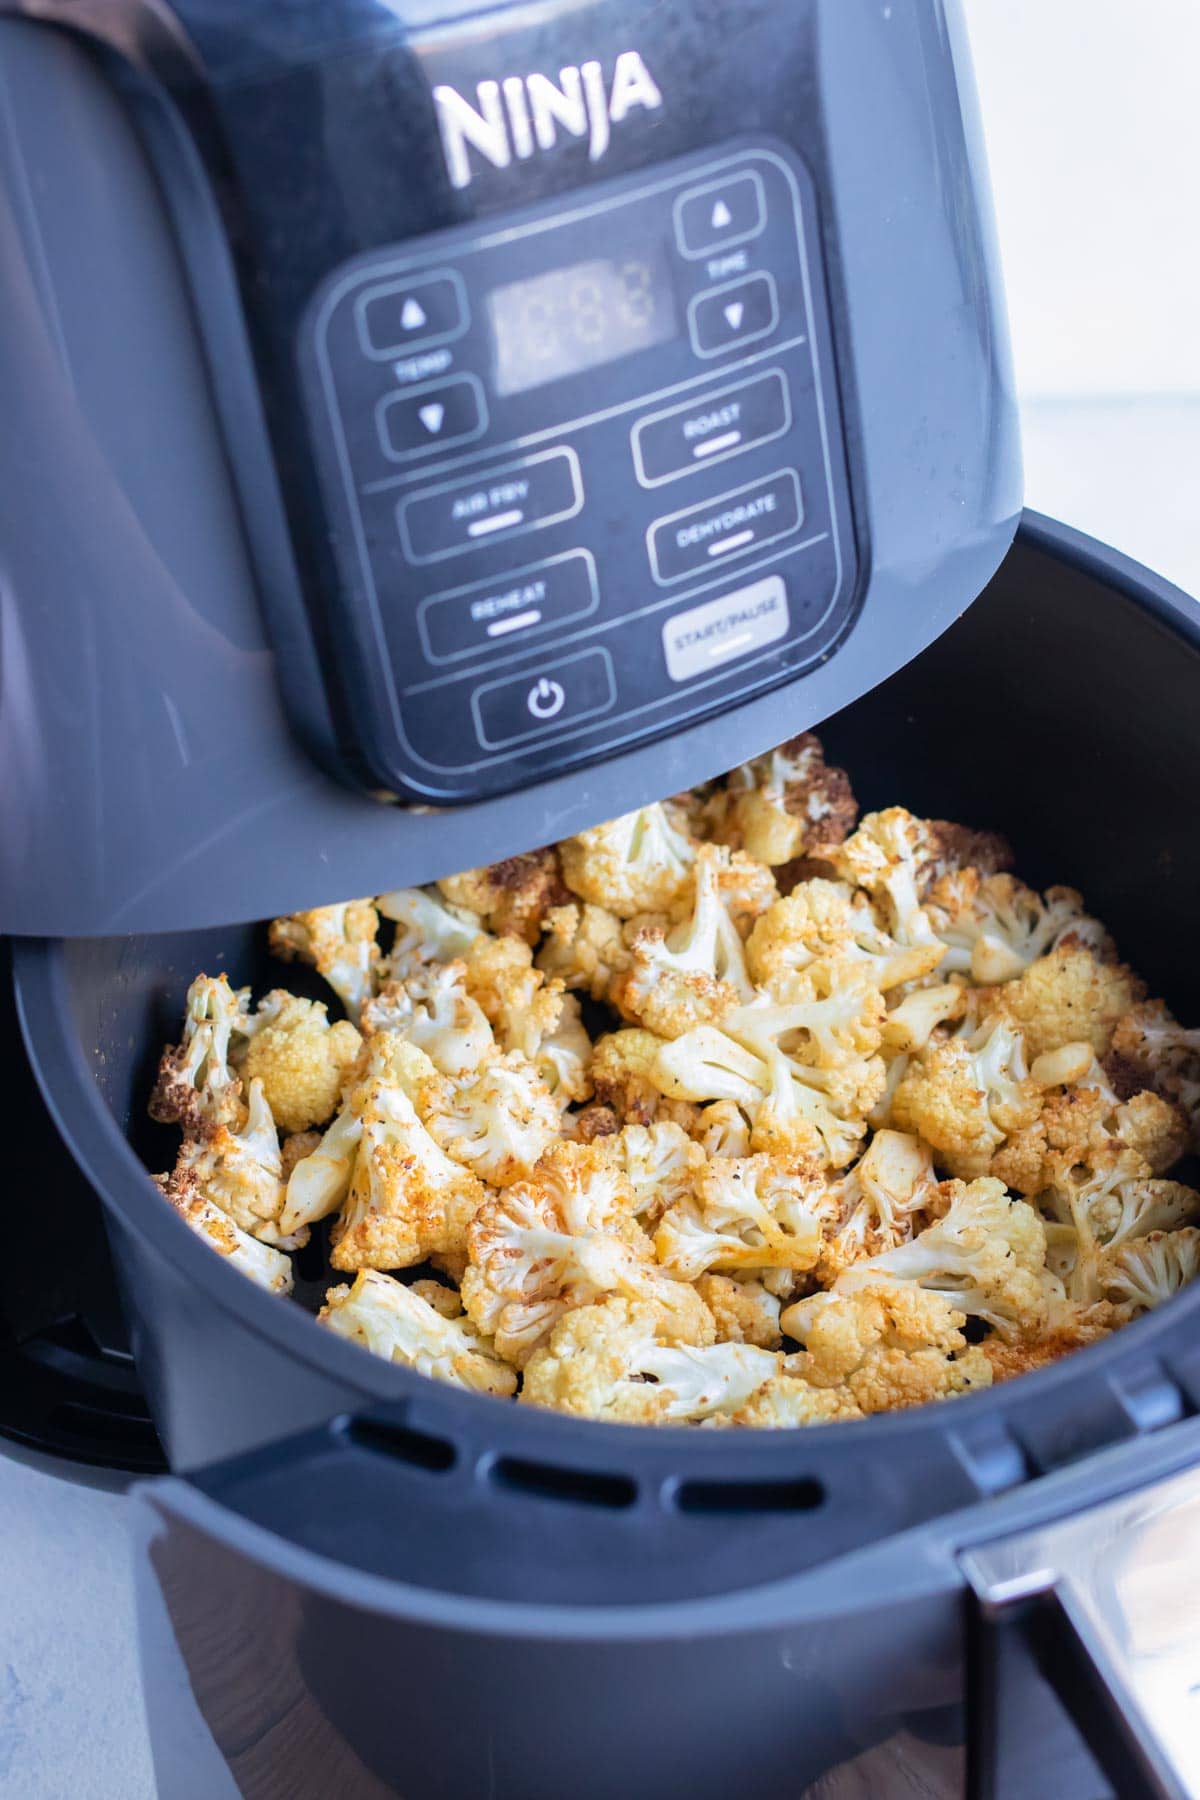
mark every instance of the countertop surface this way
{"type": "Point", "coordinates": [71, 1719]}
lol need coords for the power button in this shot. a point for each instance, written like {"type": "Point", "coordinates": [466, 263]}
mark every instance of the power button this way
{"type": "Point", "coordinates": [563, 692]}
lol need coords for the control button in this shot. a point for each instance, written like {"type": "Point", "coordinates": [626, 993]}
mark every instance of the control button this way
{"type": "Point", "coordinates": [416, 421]}
{"type": "Point", "coordinates": [722, 630]}
{"type": "Point", "coordinates": [720, 214]}
{"type": "Point", "coordinates": [496, 614]}
{"type": "Point", "coordinates": [736, 313]}
{"type": "Point", "coordinates": [724, 423]}
{"type": "Point", "coordinates": [732, 525]}
{"type": "Point", "coordinates": [517, 497]}
{"type": "Point", "coordinates": [574, 688]}
{"type": "Point", "coordinates": [395, 317]}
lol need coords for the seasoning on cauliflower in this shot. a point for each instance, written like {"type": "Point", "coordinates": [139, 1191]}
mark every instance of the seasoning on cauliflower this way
{"type": "Point", "coordinates": [873, 1206]}
{"type": "Point", "coordinates": [1080, 1115]}
{"type": "Point", "coordinates": [195, 1084]}
{"type": "Point", "coordinates": [993, 926]}
{"type": "Point", "coordinates": [427, 930]}
{"type": "Point", "coordinates": [584, 947]}
{"type": "Point", "coordinates": [693, 974]}
{"type": "Point", "coordinates": [786, 804]}
{"type": "Point", "coordinates": [744, 1310]}
{"type": "Point", "coordinates": [746, 1213]}
{"type": "Point", "coordinates": [397, 1323]}
{"type": "Point", "coordinates": [1068, 996]}
{"type": "Point", "coordinates": [987, 1252]}
{"type": "Point", "coordinates": [339, 942]}
{"type": "Point", "coordinates": [564, 1057]}
{"type": "Point", "coordinates": [722, 1129]}
{"type": "Point", "coordinates": [300, 1058]}
{"type": "Point", "coordinates": [965, 1094]}
{"type": "Point", "coordinates": [660, 1162]}
{"type": "Point", "coordinates": [496, 1121]}
{"type": "Point", "coordinates": [1145, 1272]}
{"type": "Point", "coordinates": [1150, 1049]}
{"type": "Point", "coordinates": [242, 1172]}
{"type": "Point", "coordinates": [511, 897]}
{"type": "Point", "coordinates": [434, 1011]}
{"type": "Point", "coordinates": [1093, 1208]}
{"type": "Point", "coordinates": [262, 1263]}
{"type": "Point", "coordinates": [825, 921]}
{"type": "Point", "coordinates": [635, 864]}
{"type": "Point", "coordinates": [885, 1346]}
{"type": "Point", "coordinates": [559, 1240]}
{"type": "Point", "coordinates": [622, 1062]}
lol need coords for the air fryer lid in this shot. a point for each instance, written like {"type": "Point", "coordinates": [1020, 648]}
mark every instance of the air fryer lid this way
{"type": "Point", "coordinates": [158, 659]}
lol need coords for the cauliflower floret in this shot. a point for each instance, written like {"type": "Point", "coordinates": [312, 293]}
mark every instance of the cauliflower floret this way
{"type": "Point", "coordinates": [339, 942]}
{"type": "Point", "coordinates": [965, 1094]}
{"type": "Point", "coordinates": [639, 863]}
{"type": "Point", "coordinates": [786, 804]}
{"type": "Point", "coordinates": [434, 1011]}
{"type": "Point", "coordinates": [722, 1129]}
{"type": "Point", "coordinates": [624, 1363]}
{"type": "Point", "coordinates": [1068, 996]}
{"type": "Point", "coordinates": [916, 1015]}
{"type": "Point", "coordinates": [263, 1264]}
{"type": "Point", "coordinates": [294, 1149]}
{"type": "Point", "coordinates": [407, 1198]}
{"type": "Point", "coordinates": [520, 1004]}
{"type": "Point", "coordinates": [695, 973]}
{"type": "Point", "coordinates": [511, 897]}
{"type": "Point", "coordinates": [397, 1323]}
{"type": "Point", "coordinates": [994, 926]}
{"type": "Point", "coordinates": [874, 1204]}
{"type": "Point", "coordinates": [444, 1300]}
{"type": "Point", "coordinates": [498, 1121]}
{"type": "Point", "coordinates": [1149, 1045]}
{"type": "Point", "coordinates": [300, 1058]}
{"type": "Point", "coordinates": [560, 1240]}
{"type": "Point", "coordinates": [743, 1310]}
{"type": "Point", "coordinates": [745, 1213]}
{"type": "Point", "coordinates": [987, 1252]}
{"type": "Point", "coordinates": [1094, 1207]}
{"type": "Point", "coordinates": [785, 1402]}
{"type": "Point", "coordinates": [1068, 1328]}
{"type": "Point", "coordinates": [660, 1162]}
{"type": "Point", "coordinates": [591, 1122]}
{"type": "Point", "coordinates": [898, 857]}
{"type": "Point", "coordinates": [1144, 1273]}
{"type": "Point", "coordinates": [320, 1181]}
{"type": "Point", "coordinates": [885, 1346]}
{"type": "Point", "coordinates": [242, 1172]}
{"type": "Point", "coordinates": [825, 921]}
{"type": "Point", "coordinates": [196, 1085]}
{"type": "Point", "coordinates": [427, 930]}
{"type": "Point", "coordinates": [622, 1062]}
{"type": "Point", "coordinates": [564, 1057]}
{"type": "Point", "coordinates": [1079, 1118]}
{"type": "Point", "coordinates": [584, 947]}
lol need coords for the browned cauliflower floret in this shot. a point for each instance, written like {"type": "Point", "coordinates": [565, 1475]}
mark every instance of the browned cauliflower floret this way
{"type": "Point", "coordinates": [559, 1240]}
{"type": "Point", "coordinates": [399, 1324]}
{"type": "Point", "coordinates": [520, 1004]}
{"type": "Point", "coordinates": [242, 1172]}
{"type": "Point", "coordinates": [994, 926]}
{"type": "Point", "coordinates": [743, 1310]}
{"type": "Point", "coordinates": [584, 947]}
{"type": "Point", "coordinates": [296, 1148]}
{"type": "Point", "coordinates": [693, 974]}
{"type": "Point", "coordinates": [660, 1162]}
{"type": "Point", "coordinates": [196, 1083]}
{"type": "Point", "coordinates": [874, 1206]}
{"type": "Point", "coordinates": [511, 897]}
{"type": "Point", "coordinates": [986, 1252]}
{"type": "Point", "coordinates": [1068, 1328]}
{"type": "Point", "coordinates": [897, 857]}
{"type": "Point", "coordinates": [886, 1346]}
{"type": "Point", "coordinates": [1068, 996]}
{"type": "Point", "coordinates": [639, 863]}
{"type": "Point", "coordinates": [752, 1212]}
{"type": "Point", "coordinates": [433, 1010]}
{"type": "Point", "coordinates": [621, 1074]}
{"type": "Point", "coordinates": [496, 1121]}
{"type": "Point", "coordinates": [260, 1262]}
{"type": "Point", "coordinates": [300, 1058]}
{"type": "Point", "coordinates": [965, 1094]}
{"type": "Point", "coordinates": [785, 1402]}
{"type": "Point", "coordinates": [1078, 1119]}
{"type": "Point", "coordinates": [339, 942]}
{"type": "Point", "coordinates": [786, 804]}
{"type": "Point", "coordinates": [1151, 1049]}
{"type": "Point", "coordinates": [407, 1198]}
{"type": "Point", "coordinates": [825, 921]}
{"type": "Point", "coordinates": [444, 1300]}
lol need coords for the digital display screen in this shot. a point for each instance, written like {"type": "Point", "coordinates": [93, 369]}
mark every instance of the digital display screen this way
{"type": "Point", "coordinates": [572, 319]}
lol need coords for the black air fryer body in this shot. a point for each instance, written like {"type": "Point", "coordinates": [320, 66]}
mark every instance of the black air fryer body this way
{"type": "Point", "coordinates": [430, 429]}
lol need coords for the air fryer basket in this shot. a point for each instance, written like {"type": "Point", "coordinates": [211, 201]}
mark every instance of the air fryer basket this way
{"type": "Point", "coordinates": [1062, 709]}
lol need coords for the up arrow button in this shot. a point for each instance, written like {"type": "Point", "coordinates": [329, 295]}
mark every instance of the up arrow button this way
{"type": "Point", "coordinates": [720, 214]}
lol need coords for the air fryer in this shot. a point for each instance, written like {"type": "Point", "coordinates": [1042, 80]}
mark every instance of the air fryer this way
{"type": "Point", "coordinates": [282, 448]}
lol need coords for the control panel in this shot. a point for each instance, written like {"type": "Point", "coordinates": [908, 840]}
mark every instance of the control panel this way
{"type": "Point", "coordinates": [584, 469]}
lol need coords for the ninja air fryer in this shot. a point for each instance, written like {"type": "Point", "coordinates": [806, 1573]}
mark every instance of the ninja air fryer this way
{"type": "Point", "coordinates": [430, 431]}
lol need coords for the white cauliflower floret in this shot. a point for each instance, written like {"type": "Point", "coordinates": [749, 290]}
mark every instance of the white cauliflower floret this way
{"type": "Point", "coordinates": [692, 974]}
{"type": "Point", "coordinates": [1094, 1207]}
{"type": "Point", "coordinates": [987, 1253]}
{"type": "Point", "coordinates": [624, 1363]}
{"type": "Point", "coordinates": [339, 942]}
{"type": "Point", "coordinates": [434, 1011]}
{"type": "Point", "coordinates": [825, 921]}
{"type": "Point", "coordinates": [722, 1129]}
{"type": "Point", "coordinates": [427, 930]}
{"type": "Point", "coordinates": [1163, 1055]}
{"type": "Point", "coordinates": [260, 1262]}
{"type": "Point", "coordinates": [1145, 1272]}
{"type": "Point", "coordinates": [915, 1016]}
{"type": "Point", "coordinates": [635, 864]}
{"type": "Point", "coordinates": [407, 1198]}
{"type": "Point", "coordinates": [885, 1346]}
{"type": "Point", "coordinates": [744, 1310]}
{"type": "Point", "coordinates": [559, 1240]}
{"type": "Point", "coordinates": [897, 857]}
{"type": "Point", "coordinates": [994, 926]}
{"type": "Point", "coordinates": [497, 1121]}
{"type": "Point", "coordinates": [965, 1094]}
{"type": "Point", "coordinates": [320, 1181]}
{"type": "Point", "coordinates": [746, 1213]}
{"type": "Point", "coordinates": [397, 1323]}
{"type": "Point", "coordinates": [564, 1056]}
{"type": "Point", "coordinates": [584, 947]}
{"type": "Point", "coordinates": [660, 1162]}
{"type": "Point", "coordinates": [786, 804]}
{"type": "Point", "coordinates": [875, 1202]}
{"type": "Point", "coordinates": [242, 1172]}
{"type": "Point", "coordinates": [196, 1084]}
{"type": "Point", "coordinates": [512, 897]}
{"type": "Point", "coordinates": [300, 1058]}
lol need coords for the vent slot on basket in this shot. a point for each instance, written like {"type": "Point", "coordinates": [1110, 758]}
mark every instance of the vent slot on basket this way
{"type": "Point", "coordinates": [584, 1487]}
{"type": "Point", "coordinates": [749, 1496]}
{"type": "Point", "coordinates": [420, 1448]}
